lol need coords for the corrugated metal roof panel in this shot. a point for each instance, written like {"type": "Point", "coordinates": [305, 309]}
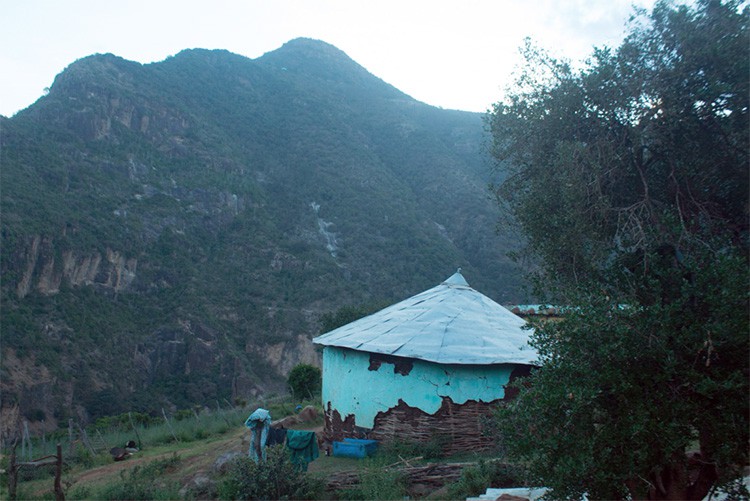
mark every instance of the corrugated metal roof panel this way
{"type": "Point", "coordinates": [449, 324]}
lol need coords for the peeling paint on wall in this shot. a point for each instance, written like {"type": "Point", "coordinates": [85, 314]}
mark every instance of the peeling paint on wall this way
{"type": "Point", "coordinates": [454, 427]}
{"type": "Point", "coordinates": [359, 386]}
{"type": "Point", "coordinates": [401, 366]}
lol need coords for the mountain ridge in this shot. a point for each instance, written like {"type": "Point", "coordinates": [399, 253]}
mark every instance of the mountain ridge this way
{"type": "Point", "coordinates": [172, 232]}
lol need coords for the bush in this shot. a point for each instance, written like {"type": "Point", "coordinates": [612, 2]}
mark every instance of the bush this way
{"type": "Point", "coordinates": [430, 449]}
{"type": "Point", "coordinates": [476, 479]}
{"type": "Point", "coordinates": [305, 381]}
{"type": "Point", "coordinates": [275, 478]}
{"type": "Point", "coordinates": [376, 483]}
{"type": "Point", "coordinates": [141, 483]}
{"type": "Point", "coordinates": [83, 457]}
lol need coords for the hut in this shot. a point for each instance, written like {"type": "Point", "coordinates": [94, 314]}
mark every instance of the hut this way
{"type": "Point", "coordinates": [426, 369]}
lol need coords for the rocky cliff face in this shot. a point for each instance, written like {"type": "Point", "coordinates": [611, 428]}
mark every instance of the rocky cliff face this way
{"type": "Point", "coordinates": [44, 269]}
{"type": "Point", "coordinates": [172, 233]}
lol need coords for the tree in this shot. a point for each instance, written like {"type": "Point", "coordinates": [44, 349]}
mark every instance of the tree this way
{"type": "Point", "coordinates": [304, 381]}
{"type": "Point", "coordinates": [629, 179]}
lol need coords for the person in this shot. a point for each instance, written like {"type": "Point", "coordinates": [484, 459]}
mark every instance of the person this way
{"type": "Point", "coordinates": [130, 447]}
{"type": "Point", "coordinates": [122, 453]}
{"type": "Point", "coordinates": [259, 423]}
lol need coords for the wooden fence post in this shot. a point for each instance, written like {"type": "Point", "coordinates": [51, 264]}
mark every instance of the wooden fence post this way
{"type": "Point", "coordinates": [27, 437]}
{"type": "Point", "coordinates": [23, 446]}
{"type": "Point", "coordinates": [59, 495]}
{"type": "Point", "coordinates": [136, 430]}
{"type": "Point", "coordinates": [169, 425]}
{"type": "Point", "coordinates": [222, 413]}
{"type": "Point", "coordinates": [12, 473]}
{"type": "Point", "coordinates": [85, 440]}
{"type": "Point", "coordinates": [100, 440]}
{"type": "Point", "coordinates": [70, 436]}
{"type": "Point", "coordinates": [15, 466]}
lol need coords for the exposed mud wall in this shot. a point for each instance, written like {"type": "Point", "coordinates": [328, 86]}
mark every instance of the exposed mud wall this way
{"type": "Point", "coordinates": [453, 428]}
{"type": "Point", "coordinates": [336, 427]}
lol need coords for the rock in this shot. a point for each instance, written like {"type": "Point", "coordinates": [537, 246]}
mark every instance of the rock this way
{"type": "Point", "coordinates": [199, 487]}
{"type": "Point", "coordinates": [46, 266]}
{"type": "Point", "coordinates": [286, 422]}
{"type": "Point", "coordinates": [308, 414]}
{"type": "Point", "coordinates": [222, 462]}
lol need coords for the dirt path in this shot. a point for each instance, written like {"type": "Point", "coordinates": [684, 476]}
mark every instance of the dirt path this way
{"type": "Point", "coordinates": [195, 458]}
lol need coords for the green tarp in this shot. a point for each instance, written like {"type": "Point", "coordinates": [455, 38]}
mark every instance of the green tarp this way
{"type": "Point", "coordinates": [303, 446]}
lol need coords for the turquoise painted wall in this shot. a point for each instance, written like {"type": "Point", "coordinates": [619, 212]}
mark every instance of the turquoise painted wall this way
{"type": "Point", "coordinates": [353, 389]}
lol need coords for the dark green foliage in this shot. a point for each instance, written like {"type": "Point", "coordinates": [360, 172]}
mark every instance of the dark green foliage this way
{"type": "Point", "coordinates": [431, 449]}
{"type": "Point", "coordinates": [377, 481]}
{"type": "Point", "coordinates": [275, 478]}
{"type": "Point", "coordinates": [82, 456]}
{"type": "Point", "coordinates": [305, 381]}
{"type": "Point", "coordinates": [124, 421]}
{"type": "Point", "coordinates": [630, 181]}
{"type": "Point", "coordinates": [634, 389]}
{"type": "Point", "coordinates": [475, 480]}
{"type": "Point", "coordinates": [36, 415]}
{"type": "Point", "coordinates": [651, 134]}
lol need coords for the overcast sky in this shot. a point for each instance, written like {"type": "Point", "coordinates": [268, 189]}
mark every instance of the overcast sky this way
{"type": "Point", "coordinates": [454, 54]}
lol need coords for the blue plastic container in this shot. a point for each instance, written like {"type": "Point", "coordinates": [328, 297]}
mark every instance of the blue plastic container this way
{"type": "Point", "coordinates": [354, 448]}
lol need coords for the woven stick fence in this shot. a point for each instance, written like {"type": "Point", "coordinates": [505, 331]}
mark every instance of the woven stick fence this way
{"type": "Point", "coordinates": [433, 475]}
{"type": "Point", "coordinates": [454, 427]}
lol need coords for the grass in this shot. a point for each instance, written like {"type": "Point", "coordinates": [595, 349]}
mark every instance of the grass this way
{"type": "Point", "coordinates": [83, 481]}
{"type": "Point", "coordinates": [163, 466]}
{"type": "Point", "coordinates": [146, 481]}
{"type": "Point", "coordinates": [196, 440]}
{"type": "Point", "coordinates": [379, 477]}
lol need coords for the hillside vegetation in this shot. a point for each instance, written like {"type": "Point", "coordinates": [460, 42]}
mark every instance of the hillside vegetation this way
{"type": "Point", "coordinates": [172, 233]}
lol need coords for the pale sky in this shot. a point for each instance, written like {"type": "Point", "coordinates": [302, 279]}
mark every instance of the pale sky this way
{"type": "Point", "coordinates": [453, 54]}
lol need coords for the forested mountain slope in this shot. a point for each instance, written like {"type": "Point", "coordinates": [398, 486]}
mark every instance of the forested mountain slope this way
{"type": "Point", "coordinates": [172, 232]}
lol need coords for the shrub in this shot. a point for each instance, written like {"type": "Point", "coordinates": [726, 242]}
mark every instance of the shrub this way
{"type": "Point", "coordinates": [475, 479]}
{"type": "Point", "coordinates": [83, 456]}
{"type": "Point", "coordinates": [376, 483]}
{"type": "Point", "coordinates": [275, 478]}
{"type": "Point", "coordinates": [141, 483]}
{"type": "Point", "coordinates": [431, 449]}
{"type": "Point", "coordinates": [183, 414]}
{"type": "Point", "coordinates": [304, 381]}
{"type": "Point", "coordinates": [36, 415]}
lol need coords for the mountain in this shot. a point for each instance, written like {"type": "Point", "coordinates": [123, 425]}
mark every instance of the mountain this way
{"type": "Point", "coordinates": [173, 232]}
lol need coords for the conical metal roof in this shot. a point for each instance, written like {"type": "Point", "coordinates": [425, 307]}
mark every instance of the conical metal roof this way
{"type": "Point", "coordinates": [448, 324]}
